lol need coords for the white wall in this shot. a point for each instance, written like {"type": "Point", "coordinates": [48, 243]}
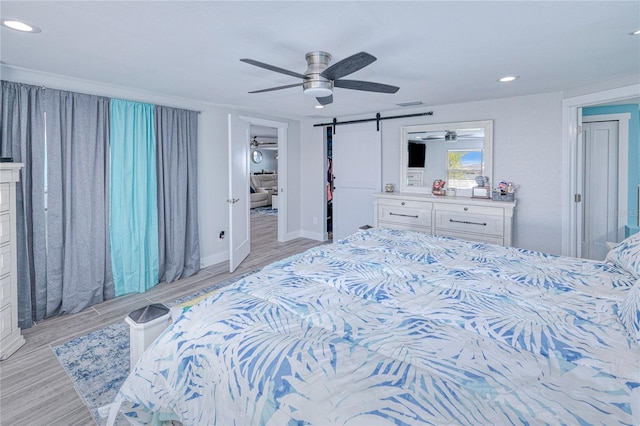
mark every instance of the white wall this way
{"type": "Point", "coordinates": [213, 170]}
{"type": "Point", "coordinates": [527, 151]}
{"type": "Point", "coordinates": [527, 143]}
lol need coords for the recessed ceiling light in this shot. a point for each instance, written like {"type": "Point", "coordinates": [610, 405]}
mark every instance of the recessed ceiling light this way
{"type": "Point", "coordinates": [17, 25]}
{"type": "Point", "coordinates": [508, 78]}
{"type": "Point", "coordinates": [636, 32]}
{"type": "Point", "coordinates": [319, 106]}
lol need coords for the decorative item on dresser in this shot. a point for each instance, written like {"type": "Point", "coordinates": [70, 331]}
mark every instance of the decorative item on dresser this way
{"type": "Point", "coordinates": [10, 337]}
{"type": "Point", "coordinates": [460, 217]}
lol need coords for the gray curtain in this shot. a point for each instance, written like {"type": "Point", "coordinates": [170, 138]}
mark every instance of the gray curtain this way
{"type": "Point", "coordinates": [62, 137]}
{"type": "Point", "coordinates": [22, 137]}
{"type": "Point", "coordinates": [176, 145]}
{"type": "Point", "coordinates": [78, 261]}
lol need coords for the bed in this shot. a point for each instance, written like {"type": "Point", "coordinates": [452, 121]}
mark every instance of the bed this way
{"type": "Point", "coordinates": [400, 327]}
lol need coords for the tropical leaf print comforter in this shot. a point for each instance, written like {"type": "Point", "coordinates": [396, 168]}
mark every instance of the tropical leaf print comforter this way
{"type": "Point", "coordinates": [399, 327]}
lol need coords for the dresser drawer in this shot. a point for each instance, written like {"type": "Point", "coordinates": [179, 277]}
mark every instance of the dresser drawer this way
{"type": "Point", "coordinates": [5, 192]}
{"type": "Point", "coordinates": [404, 203]}
{"type": "Point", "coordinates": [5, 228]}
{"type": "Point", "coordinates": [6, 321]}
{"type": "Point", "coordinates": [408, 227]}
{"type": "Point", "coordinates": [471, 237]}
{"type": "Point", "coordinates": [5, 290]}
{"type": "Point", "coordinates": [470, 208]}
{"type": "Point", "coordinates": [5, 260]}
{"type": "Point", "coordinates": [483, 224]}
{"type": "Point", "coordinates": [404, 216]}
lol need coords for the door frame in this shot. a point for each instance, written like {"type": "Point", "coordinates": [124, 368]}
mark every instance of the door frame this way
{"type": "Point", "coordinates": [571, 118]}
{"type": "Point", "coordinates": [282, 168]}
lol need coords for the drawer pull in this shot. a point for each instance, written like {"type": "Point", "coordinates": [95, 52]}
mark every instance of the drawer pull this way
{"type": "Point", "coordinates": [403, 215]}
{"type": "Point", "coordinates": [466, 222]}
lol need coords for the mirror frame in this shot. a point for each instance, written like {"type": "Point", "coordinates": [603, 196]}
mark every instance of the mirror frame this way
{"type": "Point", "coordinates": [487, 155]}
{"type": "Point", "coordinates": [256, 156]}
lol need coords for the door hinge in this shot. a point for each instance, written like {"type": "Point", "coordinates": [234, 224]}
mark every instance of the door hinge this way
{"type": "Point", "coordinates": [577, 198]}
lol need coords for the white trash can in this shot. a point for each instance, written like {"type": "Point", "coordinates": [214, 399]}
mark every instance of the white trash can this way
{"type": "Point", "coordinates": [145, 325]}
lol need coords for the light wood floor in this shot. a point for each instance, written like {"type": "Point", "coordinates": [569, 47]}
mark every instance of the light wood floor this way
{"type": "Point", "coordinates": [35, 389]}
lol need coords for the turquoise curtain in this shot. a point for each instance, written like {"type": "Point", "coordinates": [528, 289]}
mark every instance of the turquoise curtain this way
{"type": "Point", "coordinates": [134, 209]}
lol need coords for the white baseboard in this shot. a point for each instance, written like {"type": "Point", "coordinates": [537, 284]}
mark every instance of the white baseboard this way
{"type": "Point", "coordinates": [318, 236]}
{"type": "Point", "coordinates": [214, 259]}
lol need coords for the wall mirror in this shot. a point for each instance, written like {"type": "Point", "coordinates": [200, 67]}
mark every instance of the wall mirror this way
{"type": "Point", "coordinates": [453, 152]}
{"type": "Point", "coordinates": [256, 156]}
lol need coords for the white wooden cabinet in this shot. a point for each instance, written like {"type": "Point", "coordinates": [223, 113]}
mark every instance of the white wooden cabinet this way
{"type": "Point", "coordinates": [460, 217]}
{"type": "Point", "coordinates": [10, 336]}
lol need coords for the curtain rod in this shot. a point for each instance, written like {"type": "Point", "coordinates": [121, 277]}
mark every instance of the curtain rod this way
{"type": "Point", "coordinates": [164, 106]}
{"type": "Point", "coordinates": [378, 118]}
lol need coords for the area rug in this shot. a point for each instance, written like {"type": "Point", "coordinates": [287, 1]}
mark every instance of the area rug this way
{"type": "Point", "coordinates": [98, 363]}
{"type": "Point", "coordinates": [265, 210]}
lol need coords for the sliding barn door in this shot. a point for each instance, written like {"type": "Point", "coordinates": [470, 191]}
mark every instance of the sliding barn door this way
{"type": "Point", "coordinates": [357, 171]}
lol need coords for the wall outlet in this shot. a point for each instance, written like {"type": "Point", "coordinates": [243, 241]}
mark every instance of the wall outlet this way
{"type": "Point", "coordinates": [315, 220]}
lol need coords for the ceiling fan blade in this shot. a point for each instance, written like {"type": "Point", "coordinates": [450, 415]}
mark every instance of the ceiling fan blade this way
{"type": "Point", "coordinates": [277, 88]}
{"type": "Point", "coordinates": [367, 86]}
{"type": "Point", "coordinates": [272, 68]}
{"type": "Point", "coordinates": [348, 65]}
{"type": "Point", "coordinates": [325, 100]}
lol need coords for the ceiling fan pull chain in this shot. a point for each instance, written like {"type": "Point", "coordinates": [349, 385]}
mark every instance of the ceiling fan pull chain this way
{"type": "Point", "coordinates": [335, 123]}
{"type": "Point", "coordinates": [378, 121]}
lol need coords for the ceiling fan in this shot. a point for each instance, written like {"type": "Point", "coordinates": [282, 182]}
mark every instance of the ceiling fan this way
{"type": "Point", "coordinates": [446, 135]}
{"type": "Point", "coordinates": [320, 78]}
{"type": "Point", "coordinates": [255, 143]}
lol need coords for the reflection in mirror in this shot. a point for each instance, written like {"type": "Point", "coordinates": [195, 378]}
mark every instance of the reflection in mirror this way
{"type": "Point", "coordinates": [454, 152]}
{"type": "Point", "coordinates": [256, 156]}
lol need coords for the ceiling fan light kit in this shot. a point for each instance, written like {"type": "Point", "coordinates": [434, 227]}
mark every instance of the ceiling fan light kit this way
{"type": "Point", "coordinates": [320, 78]}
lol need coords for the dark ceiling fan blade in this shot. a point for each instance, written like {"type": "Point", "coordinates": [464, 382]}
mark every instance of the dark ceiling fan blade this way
{"type": "Point", "coordinates": [272, 68]}
{"type": "Point", "coordinates": [367, 86]}
{"type": "Point", "coordinates": [348, 66]}
{"type": "Point", "coordinates": [325, 100]}
{"type": "Point", "coordinates": [277, 88]}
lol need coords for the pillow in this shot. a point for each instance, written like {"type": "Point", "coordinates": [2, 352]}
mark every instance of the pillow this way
{"type": "Point", "coordinates": [629, 311]}
{"type": "Point", "coordinates": [626, 255]}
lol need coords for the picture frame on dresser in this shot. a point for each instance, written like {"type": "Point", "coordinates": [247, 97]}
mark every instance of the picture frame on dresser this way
{"type": "Point", "coordinates": [480, 192]}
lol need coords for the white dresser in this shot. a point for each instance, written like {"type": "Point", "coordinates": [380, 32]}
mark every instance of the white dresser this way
{"type": "Point", "coordinates": [461, 217]}
{"type": "Point", "coordinates": [10, 337]}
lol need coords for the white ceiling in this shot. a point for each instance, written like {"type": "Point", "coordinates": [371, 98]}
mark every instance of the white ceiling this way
{"type": "Point", "coordinates": [437, 52]}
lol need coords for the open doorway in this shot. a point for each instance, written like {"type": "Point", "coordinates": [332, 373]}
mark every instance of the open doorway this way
{"type": "Point", "coordinates": [573, 168]}
{"type": "Point", "coordinates": [263, 184]}
{"type": "Point", "coordinates": [240, 158]}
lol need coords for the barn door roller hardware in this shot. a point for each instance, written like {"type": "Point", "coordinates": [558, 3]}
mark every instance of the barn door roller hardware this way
{"type": "Point", "coordinates": [378, 118]}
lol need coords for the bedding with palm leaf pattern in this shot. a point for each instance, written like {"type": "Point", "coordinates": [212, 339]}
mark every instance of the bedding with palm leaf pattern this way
{"type": "Point", "coordinates": [399, 327]}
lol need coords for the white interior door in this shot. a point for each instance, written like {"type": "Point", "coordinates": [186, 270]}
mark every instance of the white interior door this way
{"type": "Point", "coordinates": [239, 225]}
{"type": "Point", "coordinates": [600, 201]}
{"type": "Point", "coordinates": [357, 170]}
